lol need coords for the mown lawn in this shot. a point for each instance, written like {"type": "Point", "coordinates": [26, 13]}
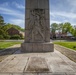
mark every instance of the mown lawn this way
{"type": "Point", "coordinates": [71, 45]}
{"type": "Point", "coordinates": [4, 45]}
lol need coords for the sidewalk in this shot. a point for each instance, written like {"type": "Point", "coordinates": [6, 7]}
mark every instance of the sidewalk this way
{"type": "Point", "coordinates": [51, 63]}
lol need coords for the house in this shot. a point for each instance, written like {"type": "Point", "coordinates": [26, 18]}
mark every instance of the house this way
{"type": "Point", "coordinates": [67, 35]}
{"type": "Point", "coordinates": [13, 31]}
{"type": "Point", "coordinates": [60, 35]}
{"type": "Point", "coordinates": [22, 33]}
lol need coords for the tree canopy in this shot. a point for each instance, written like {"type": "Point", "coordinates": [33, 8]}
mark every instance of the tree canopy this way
{"type": "Point", "coordinates": [8, 25]}
{"type": "Point", "coordinates": [63, 28]}
{"type": "Point", "coordinates": [5, 26]}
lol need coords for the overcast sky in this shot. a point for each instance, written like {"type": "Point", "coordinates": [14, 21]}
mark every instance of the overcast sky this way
{"type": "Point", "coordinates": [60, 11]}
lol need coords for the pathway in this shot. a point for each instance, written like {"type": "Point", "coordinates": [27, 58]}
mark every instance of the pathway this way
{"type": "Point", "coordinates": [51, 63]}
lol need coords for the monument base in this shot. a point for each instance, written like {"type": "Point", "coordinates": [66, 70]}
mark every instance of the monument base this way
{"type": "Point", "coordinates": [37, 47]}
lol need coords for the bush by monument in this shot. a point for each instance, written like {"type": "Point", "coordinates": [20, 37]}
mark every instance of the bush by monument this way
{"type": "Point", "coordinates": [15, 37]}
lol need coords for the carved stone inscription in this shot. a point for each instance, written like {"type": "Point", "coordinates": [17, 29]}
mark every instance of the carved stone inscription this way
{"type": "Point", "coordinates": [36, 26]}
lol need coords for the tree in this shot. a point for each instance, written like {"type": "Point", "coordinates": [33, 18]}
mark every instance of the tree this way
{"type": "Point", "coordinates": [60, 27]}
{"type": "Point", "coordinates": [1, 21]}
{"type": "Point", "coordinates": [4, 34]}
{"type": "Point", "coordinates": [8, 25]}
{"type": "Point", "coordinates": [66, 27]}
{"type": "Point", "coordinates": [1, 37]}
{"type": "Point", "coordinates": [54, 27]}
{"type": "Point", "coordinates": [74, 32]}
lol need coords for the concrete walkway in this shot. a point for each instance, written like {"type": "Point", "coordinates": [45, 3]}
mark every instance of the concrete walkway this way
{"type": "Point", "coordinates": [51, 63]}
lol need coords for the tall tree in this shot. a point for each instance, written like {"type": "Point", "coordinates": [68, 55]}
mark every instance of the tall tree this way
{"type": "Point", "coordinates": [1, 21]}
{"type": "Point", "coordinates": [66, 27]}
{"type": "Point", "coordinates": [74, 31]}
{"type": "Point", "coordinates": [54, 27]}
{"type": "Point", "coordinates": [60, 27]}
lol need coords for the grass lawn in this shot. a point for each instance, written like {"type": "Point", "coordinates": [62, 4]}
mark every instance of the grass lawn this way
{"type": "Point", "coordinates": [4, 45]}
{"type": "Point", "coordinates": [71, 45]}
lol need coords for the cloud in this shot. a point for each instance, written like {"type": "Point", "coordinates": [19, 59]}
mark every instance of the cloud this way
{"type": "Point", "coordinates": [62, 17]}
{"type": "Point", "coordinates": [63, 11]}
{"type": "Point", "coordinates": [20, 6]}
{"type": "Point", "coordinates": [54, 21]}
{"type": "Point", "coordinates": [19, 22]}
{"type": "Point", "coordinates": [11, 12]}
{"type": "Point", "coordinates": [64, 14]}
{"type": "Point", "coordinates": [15, 15]}
{"type": "Point", "coordinates": [4, 4]}
{"type": "Point", "coordinates": [72, 2]}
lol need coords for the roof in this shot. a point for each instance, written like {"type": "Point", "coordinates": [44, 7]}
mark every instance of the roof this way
{"type": "Point", "coordinates": [69, 34]}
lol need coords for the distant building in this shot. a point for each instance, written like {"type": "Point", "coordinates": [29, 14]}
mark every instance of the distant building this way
{"type": "Point", "coordinates": [66, 35]}
{"type": "Point", "coordinates": [60, 35]}
{"type": "Point", "coordinates": [22, 33]}
{"type": "Point", "coordinates": [12, 31]}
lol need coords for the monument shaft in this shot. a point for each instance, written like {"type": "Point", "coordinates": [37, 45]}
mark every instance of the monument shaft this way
{"type": "Point", "coordinates": [37, 27]}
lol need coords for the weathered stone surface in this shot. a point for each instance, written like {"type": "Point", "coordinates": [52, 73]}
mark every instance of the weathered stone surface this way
{"type": "Point", "coordinates": [37, 47]}
{"type": "Point", "coordinates": [37, 21]}
{"type": "Point", "coordinates": [57, 63]}
{"type": "Point", "coordinates": [37, 64]}
{"type": "Point", "coordinates": [37, 29]}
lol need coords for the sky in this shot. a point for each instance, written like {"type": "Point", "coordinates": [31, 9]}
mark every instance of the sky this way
{"type": "Point", "coordinates": [61, 11]}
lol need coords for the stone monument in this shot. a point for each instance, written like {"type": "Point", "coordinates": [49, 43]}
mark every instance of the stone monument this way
{"type": "Point", "coordinates": [37, 27]}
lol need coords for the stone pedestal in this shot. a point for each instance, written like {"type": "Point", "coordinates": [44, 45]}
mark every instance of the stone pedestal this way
{"type": "Point", "coordinates": [37, 27]}
{"type": "Point", "coordinates": [37, 47]}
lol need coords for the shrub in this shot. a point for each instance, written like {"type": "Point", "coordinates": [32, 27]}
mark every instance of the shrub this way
{"type": "Point", "coordinates": [7, 36]}
{"type": "Point", "coordinates": [15, 37]}
{"type": "Point", "coordinates": [1, 37]}
{"type": "Point", "coordinates": [3, 34]}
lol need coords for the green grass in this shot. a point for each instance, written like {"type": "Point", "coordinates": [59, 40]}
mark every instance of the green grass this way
{"type": "Point", "coordinates": [4, 45]}
{"type": "Point", "coordinates": [67, 44]}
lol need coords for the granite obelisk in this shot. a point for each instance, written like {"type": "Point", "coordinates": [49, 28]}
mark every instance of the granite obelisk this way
{"type": "Point", "coordinates": [37, 27]}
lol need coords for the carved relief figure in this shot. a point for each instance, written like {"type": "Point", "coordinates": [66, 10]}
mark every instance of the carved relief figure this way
{"type": "Point", "coordinates": [36, 26]}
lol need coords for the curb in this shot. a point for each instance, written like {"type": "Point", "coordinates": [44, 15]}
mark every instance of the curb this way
{"type": "Point", "coordinates": [71, 54]}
